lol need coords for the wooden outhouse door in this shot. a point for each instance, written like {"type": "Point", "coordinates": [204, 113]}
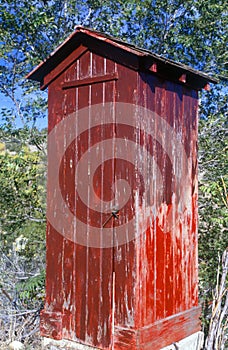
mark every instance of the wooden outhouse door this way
{"type": "Point", "coordinates": [100, 182]}
{"type": "Point", "coordinates": [89, 189]}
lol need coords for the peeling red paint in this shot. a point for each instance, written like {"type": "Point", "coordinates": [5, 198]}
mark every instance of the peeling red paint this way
{"type": "Point", "coordinates": [141, 294]}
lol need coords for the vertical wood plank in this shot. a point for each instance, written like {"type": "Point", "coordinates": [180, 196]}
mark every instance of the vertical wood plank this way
{"type": "Point", "coordinates": [178, 239]}
{"type": "Point", "coordinates": [187, 218]}
{"type": "Point", "coordinates": [54, 240]}
{"type": "Point", "coordinates": [100, 264]}
{"type": "Point", "coordinates": [81, 260]}
{"type": "Point", "coordinates": [169, 190]}
{"type": "Point", "coordinates": [147, 290]}
{"type": "Point", "coordinates": [67, 171]}
{"type": "Point", "coordinates": [194, 136]}
{"type": "Point", "coordinates": [94, 254]}
{"type": "Point", "coordinates": [160, 242]}
{"type": "Point", "coordinates": [125, 255]}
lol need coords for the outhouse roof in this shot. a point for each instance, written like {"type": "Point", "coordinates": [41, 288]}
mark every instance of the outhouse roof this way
{"type": "Point", "coordinates": [125, 53]}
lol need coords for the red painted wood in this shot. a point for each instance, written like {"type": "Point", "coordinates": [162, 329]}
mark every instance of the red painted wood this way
{"type": "Point", "coordinates": [160, 245]}
{"type": "Point", "coordinates": [159, 334]}
{"type": "Point", "coordinates": [54, 241]}
{"type": "Point", "coordinates": [183, 78]}
{"type": "Point", "coordinates": [178, 238]}
{"type": "Point", "coordinates": [90, 81]}
{"type": "Point", "coordinates": [122, 53]}
{"type": "Point", "coordinates": [153, 68]}
{"type": "Point", "coordinates": [194, 291]}
{"type": "Point", "coordinates": [125, 338]}
{"type": "Point", "coordinates": [68, 251]}
{"type": "Point", "coordinates": [125, 255]}
{"type": "Point", "coordinates": [146, 253]}
{"type": "Point", "coordinates": [63, 66]}
{"type": "Point", "coordinates": [51, 324]}
{"type": "Point", "coordinates": [169, 236]}
{"type": "Point", "coordinates": [169, 330]}
{"type": "Point", "coordinates": [207, 87]}
{"type": "Point", "coordinates": [147, 285]}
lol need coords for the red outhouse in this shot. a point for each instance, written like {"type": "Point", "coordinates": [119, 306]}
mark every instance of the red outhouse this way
{"type": "Point", "coordinates": [122, 195]}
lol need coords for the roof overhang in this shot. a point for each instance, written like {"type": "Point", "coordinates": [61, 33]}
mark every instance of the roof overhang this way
{"type": "Point", "coordinates": [123, 53]}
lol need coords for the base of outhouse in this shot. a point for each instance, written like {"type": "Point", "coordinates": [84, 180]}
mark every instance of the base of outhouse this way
{"type": "Point", "coordinates": [193, 342]}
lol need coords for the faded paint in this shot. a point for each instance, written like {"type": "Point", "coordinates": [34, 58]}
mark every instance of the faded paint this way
{"type": "Point", "coordinates": [141, 294]}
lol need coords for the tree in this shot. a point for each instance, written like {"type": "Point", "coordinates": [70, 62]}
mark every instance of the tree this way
{"type": "Point", "coordinates": [193, 32]}
{"type": "Point", "coordinates": [213, 215]}
{"type": "Point", "coordinates": [22, 234]}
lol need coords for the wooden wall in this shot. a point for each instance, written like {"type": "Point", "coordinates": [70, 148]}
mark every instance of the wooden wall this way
{"type": "Point", "coordinates": [141, 294]}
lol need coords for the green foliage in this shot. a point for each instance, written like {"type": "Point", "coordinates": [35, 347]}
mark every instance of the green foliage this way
{"type": "Point", "coordinates": [177, 29]}
{"type": "Point", "coordinates": [32, 289]}
{"type": "Point", "coordinates": [22, 211]}
{"type": "Point", "coordinates": [193, 32]}
{"type": "Point", "coordinates": [22, 193]}
{"type": "Point", "coordinates": [22, 232]}
{"type": "Point", "coordinates": [213, 200]}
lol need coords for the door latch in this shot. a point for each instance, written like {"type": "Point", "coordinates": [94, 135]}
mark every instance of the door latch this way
{"type": "Point", "coordinates": [114, 214]}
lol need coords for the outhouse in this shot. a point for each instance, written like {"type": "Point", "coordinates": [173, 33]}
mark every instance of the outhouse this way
{"type": "Point", "coordinates": [121, 195]}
